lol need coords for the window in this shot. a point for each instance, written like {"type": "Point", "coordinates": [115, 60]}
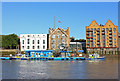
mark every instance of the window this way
{"type": "Point", "coordinates": [58, 36]}
{"type": "Point", "coordinates": [63, 36]}
{"type": "Point", "coordinates": [53, 41]}
{"type": "Point", "coordinates": [27, 47]}
{"type": "Point", "coordinates": [98, 28]}
{"type": "Point", "coordinates": [110, 28]}
{"type": "Point", "coordinates": [103, 28]}
{"type": "Point", "coordinates": [43, 47]}
{"type": "Point", "coordinates": [107, 31]}
{"type": "Point", "coordinates": [107, 35]}
{"type": "Point", "coordinates": [33, 42]}
{"type": "Point", "coordinates": [114, 38]}
{"type": "Point", "coordinates": [114, 45]}
{"type": "Point", "coordinates": [87, 28]}
{"type": "Point", "coordinates": [23, 41]}
{"type": "Point", "coordinates": [58, 31]}
{"type": "Point", "coordinates": [33, 35]}
{"type": "Point", "coordinates": [94, 32]}
{"type": "Point", "coordinates": [28, 35]}
{"type": "Point", "coordinates": [43, 41]}
{"type": "Point", "coordinates": [63, 40]}
{"type": "Point", "coordinates": [38, 47]}
{"type": "Point", "coordinates": [106, 28]}
{"type": "Point", "coordinates": [94, 39]}
{"type": "Point", "coordinates": [114, 35]}
{"type": "Point", "coordinates": [94, 28]}
{"type": "Point", "coordinates": [53, 46]}
{"type": "Point", "coordinates": [94, 35]}
{"type": "Point", "coordinates": [33, 47]}
{"type": "Point", "coordinates": [114, 29]}
{"type": "Point", "coordinates": [23, 47]}
{"type": "Point", "coordinates": [115, 42]}
{"type": "Point", "coordinates": [91, 28]}
{"type": "Point", "coordinates": [38, 42]}
{"type": "Point", "coordinates": [28, 41]}
{"type": "Point", "coordinates": [53, 36]}
{"type": "Point", "coordinates": [107, 38]}
{"type": "Point", "coordinates": [95, 42]}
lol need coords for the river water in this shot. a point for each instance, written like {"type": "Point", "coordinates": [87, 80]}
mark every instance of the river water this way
{"type": "Point", "coordinates": [83, 69]}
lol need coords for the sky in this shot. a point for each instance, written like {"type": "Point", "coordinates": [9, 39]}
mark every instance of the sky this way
{"type": "Point", "coordinates": [38, 17]}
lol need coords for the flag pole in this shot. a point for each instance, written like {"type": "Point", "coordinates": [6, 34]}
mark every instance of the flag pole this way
{"type": "Point", "coordinates": [54, 22]}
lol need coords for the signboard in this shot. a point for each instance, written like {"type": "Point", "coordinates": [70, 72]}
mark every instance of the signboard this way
{"type": "Point", "coordinates": [80, 50]}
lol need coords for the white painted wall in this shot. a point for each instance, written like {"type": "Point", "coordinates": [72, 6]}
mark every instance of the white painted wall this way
{"type": "Point", "coordinates": [32, 37]}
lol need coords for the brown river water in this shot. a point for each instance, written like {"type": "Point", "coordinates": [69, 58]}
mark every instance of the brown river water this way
{"type": "Point", "coordinates": [81, 69]}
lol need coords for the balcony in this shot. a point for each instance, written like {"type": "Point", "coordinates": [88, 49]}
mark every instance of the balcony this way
{"type": "Point", "coordinates": [110, 30]}
{"type": "Point", "coordinates": [98, 29]}
{"type": "Point", "coordinates": [98, 40]}
{"type": "Point", "coordinates": [98, 32]}
{"type": "Point", "coordinates": [110, 36]}
{"type": "Point", "coordinates": [110, 44]}
{"type": "Point", "coordinates": [89, 30]}
{"type": "Point", "coordinates": [87, 33]}
{"type": "Point", "coordinates": [91, 40]}
{"type": "Point", "coordinates": [110, 40]}
{"type": "Point", "coordinates": [89, 37]}
{"type": "Point", "coordinates": [103, 33]}
{"type": "Point", "coordinates": [110, 33]}
{"type": "Point", "coordinates": [103, 30]}
{"type": "Point", "coordinates": [88, 43]}
{"type": "Point", "coordinates": [98, 43]}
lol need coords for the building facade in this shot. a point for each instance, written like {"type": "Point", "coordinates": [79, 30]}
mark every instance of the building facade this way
{"type": "Point", "coordinates": [77, 46]}
{"type": "Point", "coordinates": [33, 42]}
{"type": "Point", "coordinates": [57, 37]}
{"type": "Point", "coordinates": [119, 41]}
{"type": "Point", "coordinates": [101, 36]}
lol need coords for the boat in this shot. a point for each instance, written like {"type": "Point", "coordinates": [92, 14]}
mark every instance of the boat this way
{"type": "Point", "coordinates": [95, 56]}
{"type": "Point", "coordinates": [18, 56]}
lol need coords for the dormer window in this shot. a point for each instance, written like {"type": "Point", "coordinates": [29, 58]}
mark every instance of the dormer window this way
{"type": "Point", "coordinates": [58, 31]}
{"type": "Point", "coordinates": [53, 36]}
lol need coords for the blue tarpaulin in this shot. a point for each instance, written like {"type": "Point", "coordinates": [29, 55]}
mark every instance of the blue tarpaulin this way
{"type": "Point", "coordinates": [80, 51]}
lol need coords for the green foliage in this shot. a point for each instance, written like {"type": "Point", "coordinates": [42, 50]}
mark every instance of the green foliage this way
{"type": "Point", "coordinates": [56, 53]}
{"type": "Point", "coordinates": [10, 41]}
{"type": "Point", "coordinates": [77, 40]}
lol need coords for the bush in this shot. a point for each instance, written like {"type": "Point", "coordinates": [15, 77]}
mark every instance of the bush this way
{"type": "Point", "coordinates": [56, 53]}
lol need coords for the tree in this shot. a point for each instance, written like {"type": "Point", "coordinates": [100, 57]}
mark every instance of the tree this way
{"type": "Point", "coordinates": [10, 41]}
{"type": "Point", "coordinates": [56, 53]}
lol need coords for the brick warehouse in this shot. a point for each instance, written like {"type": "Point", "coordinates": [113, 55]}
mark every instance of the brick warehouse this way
{"type": "Point", "coordinates": [101, 37]}
{"type": "Point", "coordinates": [57, 37]}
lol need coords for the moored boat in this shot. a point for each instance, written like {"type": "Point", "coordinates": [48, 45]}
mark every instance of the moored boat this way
{"type": "Point", "coordinates": [95, 56]}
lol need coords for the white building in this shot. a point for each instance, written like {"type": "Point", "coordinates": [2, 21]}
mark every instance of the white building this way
{"type": "Point", "coordinates": [33, 42]}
